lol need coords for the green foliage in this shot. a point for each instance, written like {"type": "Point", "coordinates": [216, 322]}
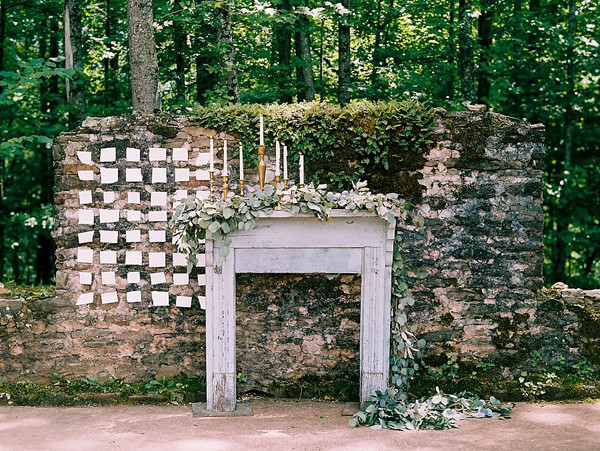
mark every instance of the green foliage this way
{"type": "Point", "coordinates": [341, 145]}
{"type": "Point", "coordinates": [193, 218]}
{"type": "Point", "coordinates": [75, 391]}
{"type": "Point", "coordinates": [392, 410]}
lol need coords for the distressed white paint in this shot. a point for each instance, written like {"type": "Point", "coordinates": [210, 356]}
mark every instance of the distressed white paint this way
{"type": "Point", "coordinates": [285, 243]}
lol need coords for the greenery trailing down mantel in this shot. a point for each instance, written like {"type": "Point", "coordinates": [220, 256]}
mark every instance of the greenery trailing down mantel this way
{"type": "Point", "coordinates": [393, 408]}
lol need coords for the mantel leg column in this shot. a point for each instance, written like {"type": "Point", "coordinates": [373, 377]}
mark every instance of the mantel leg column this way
{"type": "Point", "coordinates": [220, 331]}
{"type": "Point", "coordinates": [374, 324]}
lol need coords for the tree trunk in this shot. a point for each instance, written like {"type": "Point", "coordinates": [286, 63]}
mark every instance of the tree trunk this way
{"type": "Point", "coordinates": [2, 34]}
{"type": "Point", "coordinates": [229, 79]}
{"type": "Point", "coordinates": [179, 42]}
{"type": "Point", "coordinates": [465, 52]}
{"type": "Point", "coordinates": [344, 57]}
{"type": "Point", "coordinates": [449, 79]}
{"type": "Point", "coordinates": [570, 99]}
{"type": "Point", "coordinates": [283, 36]}
{"type": "Point", "coordinates": [111, 63]}
{"type": "Point", "coordinates": [74, 60]}
{"type": "Point", "coordinates": [377, 57]}
{"type": "Point", "coordinates": [484, 29]}
{"type": "Point", "coordinates": [142, 57]}
{"type": "Point", "coordinates": [304, 71]}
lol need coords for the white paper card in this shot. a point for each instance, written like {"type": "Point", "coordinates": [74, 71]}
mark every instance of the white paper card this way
{"type": "Point", "coordinates": [133, 257]}
{"type": "Point", "coordinates": [182, 175]}
{"type": "Point", "coordinates": [109, 197]}
{"type": "Point", "coordinates": [133, 277]}
{"type": "Point", "coordinates": [85, 157]}
{"type": "Point", "coordinates": [160, 298]}
{"type": "Point", "coordinates": [85, 237]}
{"type": "Point", "coordinates": [202, 195]}
{"type": "Point", "coordinates": [201, 259]}
{"type": "Point", "coordinates": [133, 175]}
{"type": "Point", "coordinates": [201, 279]}
{"type": "Point", "coordinates": [179, 259]}
{"type": "Point", "coordinates": [181, 279]}
{"type": "Point", "coordinates": [157, 216]}
{"type": "Point", "coordinates": [157, 236]}
{"type": "Point", "coordinates": [134, 215]}
{"type": "Point", "coordinates": [134, 296]}
{"type": "Point", "coordinates": [156, 259]}
{"type": "Point", "coordinates": [108, 257]}
{"type": "Point", "coordinates": [181, 194]}
{"type": "Point", "coordinates": [203, 159]}
{"type": "Point", "coordinates": [85, 197]}
{"type": "Point", "coordinates": [109, 298]}
{"type": "Point", "coordinates": [85, 298]}
{"type": "Point", "coordinates": [109, 236]}
{"type": "Point", "coordinates": [133, 236]}
{"type": "Point", "coordinates": [109, 175]}
{"type": "Point", "coordinates": [85, 255]}
{"type": "Point", "coordinates": [132, 154]}
{"type": "Point", "coordinates": [158, 277]}
{"type": "Point", "coordinates": [86, 176]}
{"type": "Point", "coordinates": [201, 174]}
{"type": "Point", "coordinates": [133, 197]}
{"type": "Point", "coordinates": [108, 278]}
{"type": "Point", "coordinates": [159, 175]}
{"type": "Point", "coordinates": [158, 199]}
{"type": "Point", "coordinates": [157, 154]}
{"type": "Point", "coordinates": [202, 300]}
{"type": "Point", "coordinates": [86, 217]}
{"type": "Point", "coordinates": [85, 278]}
{"type": "Point", "coordinates": [183, 301]}
{"type": "Point", "coordinates": [108, 154]}
{"type": "Point", "coordinates": [180, 154]}
{"type": "Point", "coordinates": [108, 216]}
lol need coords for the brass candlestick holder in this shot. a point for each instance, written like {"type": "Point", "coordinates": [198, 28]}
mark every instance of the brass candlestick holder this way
{"type": "Point", "coordinates": [212, 184]}
{"type": "Point", "coordinates": [225, 186]}
{"type": "Point", "coordinates": [277, 179]}
{"type": "Point", "coordinates": [285, 183]}
{"type": "Point", "coordinates": [262, 166]}
{"type": "Point", "coordinates": [241, 187]}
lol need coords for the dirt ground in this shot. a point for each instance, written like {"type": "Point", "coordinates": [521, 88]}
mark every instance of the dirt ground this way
{"type": "Point", "coordinates": [283, 425]}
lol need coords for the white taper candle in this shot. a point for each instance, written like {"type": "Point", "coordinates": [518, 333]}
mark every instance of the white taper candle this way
{"type": "Point", "coordinates": [262, 132]}
{"type": "Point", "coordinates": [225, 171]}
{"type": "Point", "coordinates": [277, 158]}
{"type": "Point", "coordinates": [212, 155]}
{"type": "Point", "coordinates": [301, 169]}
{"type": "Point", "coordinates": [285, 174]}
{"type": "Point", "coordinates": [241, 163]}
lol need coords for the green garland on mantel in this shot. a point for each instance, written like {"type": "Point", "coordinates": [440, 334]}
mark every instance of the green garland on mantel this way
{"type": "Point", "coordinates": [394, 408]}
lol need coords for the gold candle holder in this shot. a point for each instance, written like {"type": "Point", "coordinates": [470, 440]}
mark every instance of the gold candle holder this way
{"type": "Point", "coordinates": [241, 187]}
{"type": "Point", "coordinates": [225, 186]}
{"type": "Point", "coordinates": [212, 184]}
{"type": "Point", "coordinates": [262, 166]}
{"type": "Point", "coordinates": [285, 183]}
{"type": "Point", "coordinates": [277, 179]}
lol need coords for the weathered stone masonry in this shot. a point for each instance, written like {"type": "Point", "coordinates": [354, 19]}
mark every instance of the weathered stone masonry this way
{"type": "Point", "coordinates": [481, 247]}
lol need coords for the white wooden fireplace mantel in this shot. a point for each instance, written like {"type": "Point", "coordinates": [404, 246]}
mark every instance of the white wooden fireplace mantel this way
{"type": "Point", "coordinates": [281, 242]}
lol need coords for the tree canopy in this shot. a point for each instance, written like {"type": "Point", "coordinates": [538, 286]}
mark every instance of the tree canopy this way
{"type": "Point", "coordinates": [536, 60]}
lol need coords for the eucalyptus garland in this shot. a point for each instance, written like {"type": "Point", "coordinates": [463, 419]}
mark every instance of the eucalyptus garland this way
{"type": "Point", "coordinates": [393, 409]}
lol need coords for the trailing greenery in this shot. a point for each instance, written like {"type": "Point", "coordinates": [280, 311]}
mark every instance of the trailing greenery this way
{"type": "Point", "coordinates": [193, 218]}
{"type": "Point", "coordinates": [341, 145]}
{"type": "Point", "coordinates": [392, 409]}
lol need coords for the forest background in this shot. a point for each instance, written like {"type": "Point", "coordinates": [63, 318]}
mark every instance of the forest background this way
{"type": "Point", "coordinates": [535, 60]}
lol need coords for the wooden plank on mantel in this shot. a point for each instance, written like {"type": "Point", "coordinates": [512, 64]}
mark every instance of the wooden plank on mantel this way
{"type": "Point", "coordinates": [307, 260]}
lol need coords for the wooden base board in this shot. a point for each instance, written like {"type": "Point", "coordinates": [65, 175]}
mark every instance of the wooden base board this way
{"type": "Point", "coordinates": [243, 409]}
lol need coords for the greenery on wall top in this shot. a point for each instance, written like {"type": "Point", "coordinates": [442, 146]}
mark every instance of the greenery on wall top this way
{"type": "Point", "coordinates": [373, 141]}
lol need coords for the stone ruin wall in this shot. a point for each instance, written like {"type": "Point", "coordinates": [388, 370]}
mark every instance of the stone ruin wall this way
{"type": "Point", "coordinates": [481, 247]}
